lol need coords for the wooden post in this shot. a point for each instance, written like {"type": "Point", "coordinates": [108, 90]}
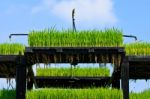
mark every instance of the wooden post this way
{"type": "Point", "coordinates": [21, 80]}
{"type": "Point", "coordinates": [125, 77]}
{"type": "Point", "coordinates": [30, 78]}
{"type": "Point", "coordinates": [116, 77]}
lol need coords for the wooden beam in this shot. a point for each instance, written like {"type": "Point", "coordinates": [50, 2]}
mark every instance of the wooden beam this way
{"type": "Point", "coordinates": [125, 78]}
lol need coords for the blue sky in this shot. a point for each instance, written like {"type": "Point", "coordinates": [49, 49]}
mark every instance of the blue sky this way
{"type": "Point", "coordinates": [22, 16]}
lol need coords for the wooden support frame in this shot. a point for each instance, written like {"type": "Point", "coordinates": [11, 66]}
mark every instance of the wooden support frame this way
{"type": "Point", "coordinates": [125, 77]}
{"type": "Point", "coordinates": [22, 63]}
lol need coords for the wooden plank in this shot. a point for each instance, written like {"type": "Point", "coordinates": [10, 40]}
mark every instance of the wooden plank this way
{"type": "Point", "coordinates": [125, 78]}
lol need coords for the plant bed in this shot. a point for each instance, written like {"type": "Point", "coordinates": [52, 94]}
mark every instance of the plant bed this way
{"type": "Point", "coordinates": [11, 49]}
{"type": "Point", "coordinates": [69, 38]}
{"type": "Point", "coordinates": [86, 93]}
{"type": "Point", "coordinates": [141, 95]}
{"type": "Point", "coordinates": [92, 72]}
{"type": "Point", "coordinates": [74, 55]}
{"type": "Point", "coordinates": [138, 49]}
{"type": "Point", "coordinates": [61, 93]}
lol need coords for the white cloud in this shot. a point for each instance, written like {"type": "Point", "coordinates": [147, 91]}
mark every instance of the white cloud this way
{"type": "Point", "coordinates": [45, 5]}
{"type": "Point", "coordinates": [99, 12]}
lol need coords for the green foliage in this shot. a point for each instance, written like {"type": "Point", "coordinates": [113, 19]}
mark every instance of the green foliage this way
{"type": "Point", "coordinates": [57, 93]}
{"type": "Point", "coordinates": [13, 49]}
{"type": "Point", "coordinates": [69, 38]}
{"type": "Point", "coordinates": [73, 72]}
{"type": "Point", "coordinates": [142, 49]}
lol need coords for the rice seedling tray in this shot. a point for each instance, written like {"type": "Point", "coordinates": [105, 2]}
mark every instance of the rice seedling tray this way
{"type": "Point", "coordinates": [76, 50]}
{"type": "Point", "coordinates": [68, 38]}
{"type": "Point", "coordinates": [8, 65]}
{"type": "Point", "coordinates": [66, 81]}
{"type": "Point", "coordinates": [137, 49]}
{"type": "Point", "coordinates": [67, 93]}
{"type": "Point", "coordinates": [77, 71]}
{"type": "Point", "coordinates": [139, 67]}
{"type": "Point", "coordinates": [11, 49]}
{"type": "Point", "coordinates": [74, 54]}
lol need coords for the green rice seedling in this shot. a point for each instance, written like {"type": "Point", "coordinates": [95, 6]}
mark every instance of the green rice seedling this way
{"type": "Point", "coordinates": [142, 49]}
{"type": "Point", "coordinates": [13, 49]}
{"type": "Point", "coordinates": [75, 72]}
{"type": "Point", "coordinates": [141, 95]}
{"type": "Point", "coordinates": [62, 93]}
{"type": "Point", "coordinates": [68, 38]}
{"type": "Point", "coordinates": [68, 93]}
{"type": "Point", "coordinates": [7, 94]}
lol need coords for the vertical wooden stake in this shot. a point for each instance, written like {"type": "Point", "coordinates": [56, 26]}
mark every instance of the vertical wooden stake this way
{"type": "Point", "coordinates": [125, 78]}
